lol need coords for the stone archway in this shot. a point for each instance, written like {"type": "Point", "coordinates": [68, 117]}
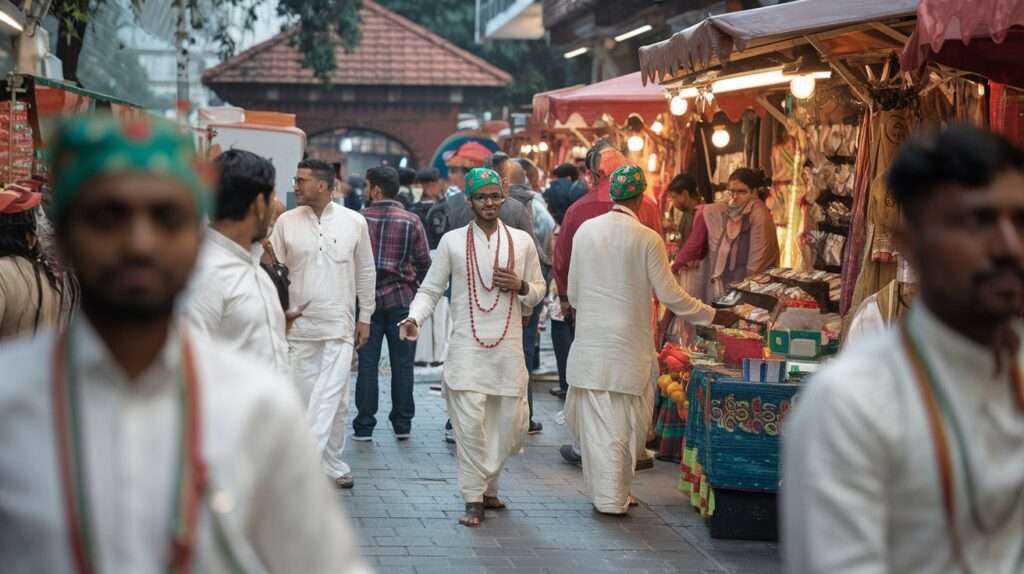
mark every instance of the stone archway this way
{"type": "Point", "coordinates": [358, 149]}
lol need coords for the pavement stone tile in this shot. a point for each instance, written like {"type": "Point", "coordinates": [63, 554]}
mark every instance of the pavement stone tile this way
{"type": "Point", "coordinates": [406, 504]}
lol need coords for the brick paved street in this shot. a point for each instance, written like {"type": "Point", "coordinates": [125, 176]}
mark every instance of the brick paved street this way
{"type": "Point", "coordinates": [405, 506]}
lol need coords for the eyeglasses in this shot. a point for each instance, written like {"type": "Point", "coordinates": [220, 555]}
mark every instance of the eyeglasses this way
{"type": "Point", "coordinates": [485, 199]}
{"type": "Point", "coordinates": [297, 181]}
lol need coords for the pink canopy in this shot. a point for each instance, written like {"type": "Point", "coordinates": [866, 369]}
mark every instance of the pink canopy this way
{"type": "Point", "coordinates": [618, 97]}
{"type": "Point", "coordinates": [982, 36]}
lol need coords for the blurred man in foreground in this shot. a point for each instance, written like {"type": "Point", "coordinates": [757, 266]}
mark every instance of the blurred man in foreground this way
{"type": "Point", "coordinates": [906, 454]}
{"type": "Point", "coordinates": [126, 443]}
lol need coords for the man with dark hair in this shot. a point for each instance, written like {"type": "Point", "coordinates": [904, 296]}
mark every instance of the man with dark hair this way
{"type": "Point", "coordinates": [128, 442]}
{"type": "Point", "coordinates": [430, 182]}
{"type": "Point", "coordinates": [406, 177]}
{"type": "Point", "coordinates": [566, 170]}
{"type": "Point", "coordinates": [906, 453]}
{"type": "Point", "coordinates": [327, 250]}
{"type": "Point", "coordinates": [400, 251]}
{"type": "Point", "coordinates": [230, 297]}
{"type": "Point", "coordinates": [494, 283]}
{"type": "Point", "coordinates": [354, 197]}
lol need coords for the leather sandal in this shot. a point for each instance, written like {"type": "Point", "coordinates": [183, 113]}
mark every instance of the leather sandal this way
{"type": "Point", "coordinates": [474, 514]}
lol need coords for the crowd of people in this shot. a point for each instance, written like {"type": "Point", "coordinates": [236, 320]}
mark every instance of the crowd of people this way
{"type": "Point", "coordinates": [194, 342]}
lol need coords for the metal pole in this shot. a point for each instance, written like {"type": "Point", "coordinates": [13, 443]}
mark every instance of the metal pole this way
{"type": "Point", "coordinates": [181, 46]}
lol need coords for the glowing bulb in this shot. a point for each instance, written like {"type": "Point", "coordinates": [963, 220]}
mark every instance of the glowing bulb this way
{"type": "Point", "coordinates": [802, 87]}
{"type": "Point", "coordinates": [542, 147]}
{"type": "Point", "coordinates": [720, 138]}
{"type": "Point", "coordinates": [652, 163]}
{"type": "Point", "coordinates": [657, 127]}
{"type": "Point", "coordinates": [981, 90]}
{"type": "Point", "coordinates": [635, 143]}
{"type": "Point", "coordinates": [678, 105]}
{"type": "Point", "coordinates": [524, 149]}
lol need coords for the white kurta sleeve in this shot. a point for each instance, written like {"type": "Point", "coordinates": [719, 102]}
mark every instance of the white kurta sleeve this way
{"type": "Point", "coordinates": [534, 278]}
{"type": "Point", "coordinates": [572, 288]}
{"type": "Point", "coordinates": [434, 284]}
{"type": "Point", "coordinates": [366, 275]}
{"type": "Point", "coordinates": [204, 305]}
{"type": "Point", "coordinates": [833, 488]}
{"type": "Point", "coordinates": [297, 524]}
{"type": "Point", "coordinates": [277, 241]}
{"type": "Point", "coordinates": [667, 289]}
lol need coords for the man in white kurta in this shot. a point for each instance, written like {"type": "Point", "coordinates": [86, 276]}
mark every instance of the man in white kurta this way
{"type": "Point", "coordinates": [485, 388]}
{"type": "Point", "coordinates": [617, 265]}
{"type": "Point", "coordinates": [231, 298]}
{"type": "Point", "coordinates": [107, 430]}
{"type": "Point", "coordinates": [906, 453]}
{"type": "Point", "coordinates": [327, 250]}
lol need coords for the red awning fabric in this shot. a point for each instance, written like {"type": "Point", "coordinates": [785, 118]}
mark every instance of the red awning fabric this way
{"type": "Point", "coordinates": [717, 37]}
{"type": "Point", "coordinates": [618, 97]}
{"type": "Point", "coordinates": [982, 36]}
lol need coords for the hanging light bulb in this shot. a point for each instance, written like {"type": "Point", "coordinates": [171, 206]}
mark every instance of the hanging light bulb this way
{"type": "Point", "coordinates": [981, 90]}
{"type": "Point", "coordinates": [652, 163]}
{"type": "Point", "coordinates": [657, 127]}
{"type": "Point", "coordinates": [542, 147]}
{"type": "Point", "coordinates": [635, 143]}
{"type": "Point", "coordinates": [802, 87]}
{"type": "Point", "coordinates": [524, 149]}
{"type": "Point", "coordinates": [678, 105]}
{"type": "Point", "coordinates": [720, 137]}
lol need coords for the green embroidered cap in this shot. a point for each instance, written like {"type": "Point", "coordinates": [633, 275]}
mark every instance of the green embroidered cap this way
{"type": "Point", "coordinates": [627, 182]}
{"type": "Point", "coordinates": [90, 146]}
{"type": "Point", "coordinates": [481, 177]}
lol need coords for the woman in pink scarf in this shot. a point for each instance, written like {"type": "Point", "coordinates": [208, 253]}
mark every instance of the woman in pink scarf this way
{"type": "Point", "coordinates": [737, 237]}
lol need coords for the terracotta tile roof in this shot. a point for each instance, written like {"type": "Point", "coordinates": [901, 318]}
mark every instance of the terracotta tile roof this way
{"type": "Point", "coordinates": [393, 52]}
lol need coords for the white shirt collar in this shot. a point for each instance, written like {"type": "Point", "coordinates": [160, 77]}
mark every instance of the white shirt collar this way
{"type": "Point", "coordinates": [950, 347]}
{"type": "Point", "coordinates": [623, 209]}
{"type": "Point", "coordinates": [91, 354]}
{"type": "Point", "coordinates": [227, 244]}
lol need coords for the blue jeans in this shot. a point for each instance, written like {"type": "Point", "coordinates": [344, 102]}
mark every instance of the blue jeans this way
{"type": "Point", "coordinates": [384, 324]}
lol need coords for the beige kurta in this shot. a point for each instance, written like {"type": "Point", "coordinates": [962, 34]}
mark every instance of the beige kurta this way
{"type": "Point", "coordinates": [274, 505]}
{"type": "Point", "coordinates": [20, 303]}
{"type": "Point", "coordinates": [861, 490]}
{"type": "Point", "coordinates": [617, 265]}
{"type": "Point", "coordinates": [485, 389]}
{"type": "Point", "coordinates": [470, 367]}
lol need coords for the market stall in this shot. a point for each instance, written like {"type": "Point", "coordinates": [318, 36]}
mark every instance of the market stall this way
{"type": "Point", "coordinates": [810, 95]}
{"type": "Point", "coordinates": [634, 117]}
{"type": "Point", "coordinates": [29, 105]}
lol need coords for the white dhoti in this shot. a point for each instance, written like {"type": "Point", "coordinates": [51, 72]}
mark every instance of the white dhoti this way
{"type": "Point", "coordinates": [612, 431]}
{"type": "Point", "coordinates": [488, 429]}
{"type": "Point", "coordinates": [432, 345]}
{"type": "Point", "coordinates": [323, 372]}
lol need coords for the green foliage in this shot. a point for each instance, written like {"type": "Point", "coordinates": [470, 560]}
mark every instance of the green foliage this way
{"type": "Point", "coordinates": [321, 26]}
{"type": "Point", "coordinates": [534, 66]}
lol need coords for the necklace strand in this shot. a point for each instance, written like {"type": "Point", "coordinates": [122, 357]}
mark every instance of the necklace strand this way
{"type": "Point", "coordinates": [471, 284]}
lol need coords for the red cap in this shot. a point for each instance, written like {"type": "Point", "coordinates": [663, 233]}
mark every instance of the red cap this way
{"type": "Point", "coordinates": [16, 199]}
{"type": "Point", "coordinates": [469, 154]}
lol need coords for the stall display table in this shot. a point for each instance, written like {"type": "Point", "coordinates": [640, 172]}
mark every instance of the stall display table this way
{"type": "Point", "coordinates": [731, 452]}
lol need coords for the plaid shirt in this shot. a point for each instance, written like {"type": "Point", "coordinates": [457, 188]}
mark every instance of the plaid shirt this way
{"type": "Point", "coordinates": [400, 251]}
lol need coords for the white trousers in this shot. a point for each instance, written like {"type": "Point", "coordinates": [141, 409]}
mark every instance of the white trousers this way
{"type": "Point", "coordinates": [612, 431]}
{"type": "Point", "coordinates": [432, 346]}
{"type": "Point", "coordinates": [323, 372]}
{"type": "Point", "coordinates": [488, 429]}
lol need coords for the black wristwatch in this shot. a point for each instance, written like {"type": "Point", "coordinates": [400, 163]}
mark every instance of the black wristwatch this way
{"type": "Point", "coordinates": [524, 288]}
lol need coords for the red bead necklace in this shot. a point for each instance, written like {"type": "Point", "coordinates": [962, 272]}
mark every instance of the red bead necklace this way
{"type": "Point", "coordinates": [471, 280]}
